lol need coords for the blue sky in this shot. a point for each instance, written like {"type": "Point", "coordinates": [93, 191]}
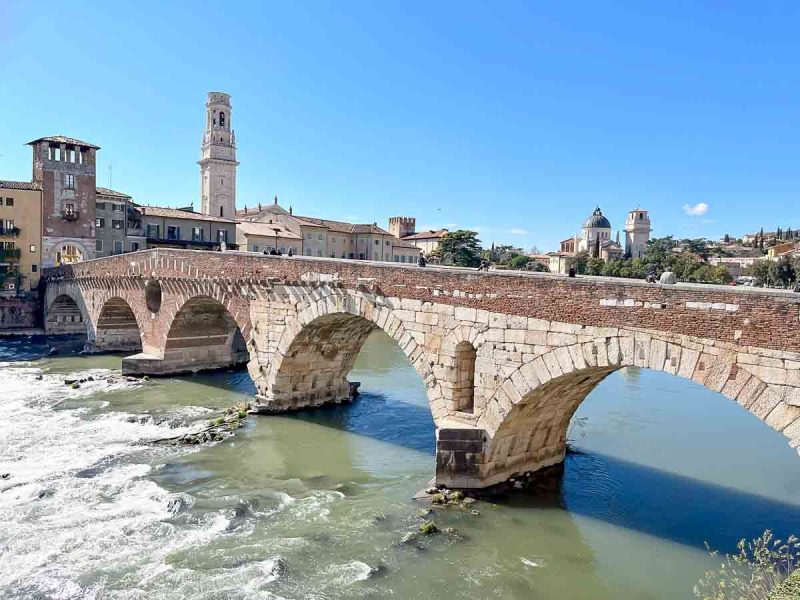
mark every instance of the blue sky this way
{"type": "Point", "coordinates": [514, 119]}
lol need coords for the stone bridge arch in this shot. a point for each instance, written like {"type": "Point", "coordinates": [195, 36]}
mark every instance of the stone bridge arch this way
{"type": "Point", "coordinates": [527, 419]}
{"type": "Point", "coordinates": [316, 348]}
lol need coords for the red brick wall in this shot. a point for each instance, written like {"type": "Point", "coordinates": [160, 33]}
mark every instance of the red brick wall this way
{"type": "Point", "coordinates": [765, 319]}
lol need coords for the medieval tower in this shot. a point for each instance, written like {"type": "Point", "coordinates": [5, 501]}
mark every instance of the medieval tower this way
{"type": "Point", "coordinates": [637, 233]}
{"type": "Point", "coordinates": [218, 159]}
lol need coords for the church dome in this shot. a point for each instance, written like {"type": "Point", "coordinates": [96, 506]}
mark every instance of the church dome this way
{"type": "Point", "coordinates": [597, 220]}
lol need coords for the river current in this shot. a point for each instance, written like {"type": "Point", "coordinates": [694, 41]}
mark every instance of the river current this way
{"type": "Point", "coordinates": [314, 505]}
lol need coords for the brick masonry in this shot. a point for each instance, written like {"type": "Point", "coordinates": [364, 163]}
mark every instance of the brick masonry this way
{"type": "Point", "coordinates": [539, 343]}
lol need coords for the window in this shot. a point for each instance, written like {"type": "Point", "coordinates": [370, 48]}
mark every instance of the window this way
{"type": "Point", "coordinates": [101, 206]}
{"type": "Point", "coordinates": [197, 234]}
{"type": "Point", "coordinates": [387, 242]}
{"type": "Point", "coordinates": [350, 255]}
{"type": "Point", "coordinates": [98, 245]}
{"type": "Point", "coordinates": [69, 208]}
{"type": "Point", "coordinates": [99, 222]}
{"type": "Point", "coordinates": [34, 268]}
{"type": "Point", "coordinates": [222, 235]}
{"type": "Point", "coordinates": [397, 258]}
{"type": "Point", "coordinates": [173, 233]}
{"type": "Point", "coordinates": [255, 248]}
{"type": "Point", "coordinates": [116, 207]}
{"type": "Point", "coordinates": [33, 248]}
{"type": "Point", "coordinates": [221, 121]}
{"type": "Point", "coordinates": [9, 202]}
{"type": "Point", "coordinates": [135, 246]}
{"type": "Point", "coordinates": [116, 224]}
{"type": "Point", "coordinates": [69, 181]}
{"type": "Point", "coordinates": [319, 237]}
{"type": "Point", "coordinates": [1, 201]}
{"type": "Point", "coordinates": [152, 231]}
{"type": "Point", "coordinates": [377, 242]}
{"type": "Point", "coordinates": [319, 252]}
{"type": "Point", "coordinates": [309, 236]}
{"type": "Point", "coordinates": [220, 211]}
{"type": "Point", "coordinates": [118, 247]}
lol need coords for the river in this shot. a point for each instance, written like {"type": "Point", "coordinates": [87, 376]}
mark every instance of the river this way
{"type": "Point", "coordinates": [314, 505]}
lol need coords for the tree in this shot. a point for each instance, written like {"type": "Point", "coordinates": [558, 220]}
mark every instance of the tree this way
{"type": "Point", "coordinates": [461, 248]}
{"type": "Point", "coordinates": [520, 261]}
{"type": "Point", "coordinates": [581, 258]}
{"type": "Point", "coordinates": [595, 265]}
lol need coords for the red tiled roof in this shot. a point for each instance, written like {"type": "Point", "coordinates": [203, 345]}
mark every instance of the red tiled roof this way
{"type": "Point", "coordinates": [266, 230]}
{"type": "Point", "coordinates": [62, 139]}
{"type": "Point", "coordinates": [174, 213]}
{"type": "Point", "coordinates": [428, 235]}
{"type": "Point", "coordinates": [20, 185]}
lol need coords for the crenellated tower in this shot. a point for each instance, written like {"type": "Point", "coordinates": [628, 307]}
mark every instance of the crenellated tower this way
{"type": "Point", "coordinates": [400, 227]}
{"type": "Point", "coordinates": [218, 159]}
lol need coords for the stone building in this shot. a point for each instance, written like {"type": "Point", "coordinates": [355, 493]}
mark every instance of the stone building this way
{"type": "Point", "coordinates": [218, 159]}
{"type": "Point", "coordinates": [118, 226]}
{"type": "Point", "coordinates": [65, 169]}
{"type": "Point", "coordinates": [263, 237]}
{"type": "Point", "coordinates": [182, 228]}
{"type": "Point", "coordinates": [334, 239]}
{"type": "Point", "coordinates": [20, 236]}
{"type": "Point", "coordinates": [637, 233]}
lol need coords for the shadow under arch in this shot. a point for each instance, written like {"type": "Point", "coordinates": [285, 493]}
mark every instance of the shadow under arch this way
{"type": "Point", "coordinates": [532, 431]}
{"type": "Point", "coordinates": [318, 349]}
{"type": "Point", "coordinates": [202, 336]}
{"type": "Point", "coordinates": [117, 329]}
{"type": "Point", "coordinates": [65, 315]}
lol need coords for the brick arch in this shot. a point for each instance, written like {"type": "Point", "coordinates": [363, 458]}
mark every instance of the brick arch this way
{"type": "Point", "coordinates": [197, 328]}
{"type": "Point", "coordinates": [66, 311]}
{"type": "Point", "coordinates": [332, 330]}
{"type": "Point", "coordinates": [528, 416]}
{"type": "Point", "coordinates": [117, 328]}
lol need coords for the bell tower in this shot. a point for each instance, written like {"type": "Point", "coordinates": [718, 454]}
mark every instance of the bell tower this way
{"type": "Point", "coordinates": [637, 233]}
{"type": "Point", "coordinates": [218, 159]}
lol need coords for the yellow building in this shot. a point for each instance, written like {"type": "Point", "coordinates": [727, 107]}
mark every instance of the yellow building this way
{"type": "Point", "coordinates": [20, 236]}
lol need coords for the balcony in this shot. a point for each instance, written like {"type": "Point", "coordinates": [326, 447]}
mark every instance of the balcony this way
{"type": "Point", "coordinates": [7, 254]}
{"type": "Point", "coordinates": [9, 231]}
{"type": "Point", "coordinates": [70, 214]}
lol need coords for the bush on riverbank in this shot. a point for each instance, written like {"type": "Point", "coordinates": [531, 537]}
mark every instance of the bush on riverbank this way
{"type": "Point", "coordinates": [757, 572]}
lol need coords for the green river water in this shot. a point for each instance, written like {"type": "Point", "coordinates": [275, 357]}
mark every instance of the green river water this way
{"type": "Point", "coordinates": [314, 505]}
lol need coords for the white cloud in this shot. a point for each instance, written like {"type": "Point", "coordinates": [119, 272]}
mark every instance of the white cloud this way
{"type": "Point", "coordinates": [451, 225]}
{"type": "Point", "coordinates": [518, 231]}
{"type": "Point", "coordinates": [698, 210]}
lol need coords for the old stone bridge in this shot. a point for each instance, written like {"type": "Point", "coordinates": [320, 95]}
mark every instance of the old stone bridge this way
{"type": "Point", "coordinates": [507, 358]}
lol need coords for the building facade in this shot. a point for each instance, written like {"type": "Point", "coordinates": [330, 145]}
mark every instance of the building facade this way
{"type": "Point", "coordinates": [334, 239]}
{"type": "Point", "coordinates": [20, 236]}
{"type": "Point", "coordinates": [65, 169]}
{"type": "Point", "coordinates": [267, 237]}
{"type": "Point", "coordinates": [218, 159]}
{"type": "Point", "coordinates": [117, 224]}
{"type": "Point", "coordinates": [178, 228]}
{"type": "Point", "coordinates": [427, 241]}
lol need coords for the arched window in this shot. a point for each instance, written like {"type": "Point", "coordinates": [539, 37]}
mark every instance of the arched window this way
{"type": "Point", "coordinates": [221, 119]}
{"type": "Point", "coordinates": [464, 385]}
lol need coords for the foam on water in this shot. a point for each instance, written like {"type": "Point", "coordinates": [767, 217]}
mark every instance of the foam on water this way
{"type": "Point", "coordinates": [57, 523]}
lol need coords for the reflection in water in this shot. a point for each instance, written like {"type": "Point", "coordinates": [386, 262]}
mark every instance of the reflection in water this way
{"type": "Point", "coordinates": [315, 504]}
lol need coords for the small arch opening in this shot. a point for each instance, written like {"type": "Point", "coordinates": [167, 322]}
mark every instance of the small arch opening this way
{"type": "Point", "coordinates": [221, 118]}
{"type": "Point", "coordinates": [152, 295]}
{"type": "Point", "coordinates": [464, 385]}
